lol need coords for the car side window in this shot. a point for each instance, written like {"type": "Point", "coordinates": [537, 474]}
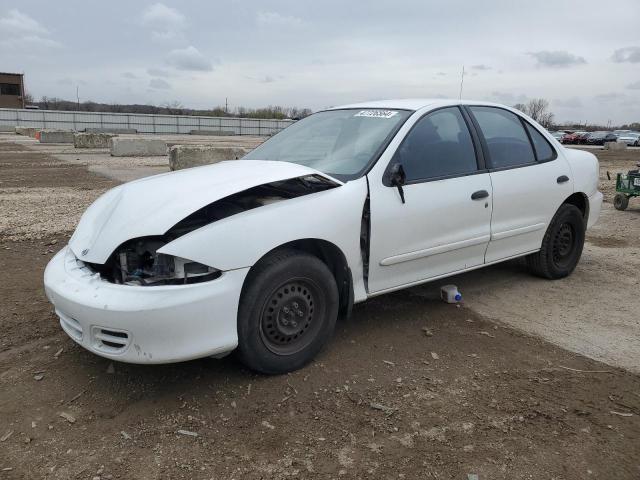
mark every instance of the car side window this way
{"type": "Point", "coordinates": [544, 150]}
{"type": "Point", "coordinates": [506, 138]}
{"type": "Point", "coordinates": [438, 145]}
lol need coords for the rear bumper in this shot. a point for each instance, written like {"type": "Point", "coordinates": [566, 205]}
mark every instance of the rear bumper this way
{"type": "Point", "coordinates": [133, 324]}
{"type": "Point", "coordinates": [595, 205]}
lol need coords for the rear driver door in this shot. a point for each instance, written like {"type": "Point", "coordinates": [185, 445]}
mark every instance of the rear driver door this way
{"type": "Point", "coordinates": [530, 181]}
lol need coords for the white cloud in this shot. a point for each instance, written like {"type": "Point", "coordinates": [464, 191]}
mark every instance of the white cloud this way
{"type": "Point", "coordinates": [29, 44]}
{"type": "Point", "coordinates": [19, 23]}
{"type": "Point", "coordinates": [627, 54]}
{"type": "Point", "coordinates": [634, 85]}
{"type": "Point", "coordinates": [189, 58]}
{"type": "Point", "coordinates": [159, 15]}
{"type": "Point", "coordinates": [21, 33]}
{"type": "Point", "coordinates": [129, 75]}
{"type": "Point", "coordinates": [275, 19]}
{"type": "Point", "coordinates": [165, 22]}
{"type": "Point", "coordinates": [159, 84]}
{"type": "Point", "coordinates": [557, 58]}
{"type": "Point", "coordinates": [158, 72]}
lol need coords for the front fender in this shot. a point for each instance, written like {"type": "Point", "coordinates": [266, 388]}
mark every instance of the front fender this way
{"type": "Point", "coordinates": [239, 241]}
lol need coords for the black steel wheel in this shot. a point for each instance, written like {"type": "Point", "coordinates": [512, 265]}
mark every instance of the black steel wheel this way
{"type": "Point", "coordinates": [620, 201]}
{"type": "Point", "coordinates": [287, 321]}
{"type": "Point", "coordinates": [287, 313]}
{"type": "Point", "coordinates": [562, 244]}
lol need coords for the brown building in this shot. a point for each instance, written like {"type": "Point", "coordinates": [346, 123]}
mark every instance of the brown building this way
{"type": "Point", "coordinates": [11, 90]}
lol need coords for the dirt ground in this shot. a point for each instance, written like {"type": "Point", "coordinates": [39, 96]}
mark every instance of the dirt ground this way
{"type": "Point", "coordinates": [409, 387]}
{"type": "Point", "coordinates": [593, 312]}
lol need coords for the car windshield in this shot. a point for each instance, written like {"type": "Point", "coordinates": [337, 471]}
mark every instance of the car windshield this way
{"type": "Point", "coordinates": [340, 143]}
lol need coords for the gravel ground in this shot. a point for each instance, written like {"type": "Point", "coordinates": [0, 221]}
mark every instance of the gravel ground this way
{"type": "Point", "coordinates": [30, 213]}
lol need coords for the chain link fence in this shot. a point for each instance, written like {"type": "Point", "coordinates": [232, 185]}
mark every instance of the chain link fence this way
{"type": "Point", "coordinates": [143, 123]}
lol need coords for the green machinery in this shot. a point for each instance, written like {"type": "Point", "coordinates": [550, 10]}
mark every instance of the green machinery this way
{"type": "Point", "coordinates": [627, 186]}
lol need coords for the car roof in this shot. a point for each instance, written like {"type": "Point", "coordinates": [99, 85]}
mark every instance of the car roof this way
{"type": "Point", "coordinates": [415, 103]}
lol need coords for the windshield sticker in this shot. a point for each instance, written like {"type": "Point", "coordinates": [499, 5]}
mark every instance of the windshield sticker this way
{"type": "Point", "coordinates": [376, 113]}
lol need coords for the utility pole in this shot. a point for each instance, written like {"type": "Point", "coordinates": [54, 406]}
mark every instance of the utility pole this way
{"type": "Point", "coordinates": [461, 83]}
{"type": "Point", "coordinates": [78, 96]}
{"type": "Point", "coordinates": [226, 105]}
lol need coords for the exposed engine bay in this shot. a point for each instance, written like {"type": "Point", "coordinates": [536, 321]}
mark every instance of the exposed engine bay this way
{"type": "Point", "coordinates": [137, 261]}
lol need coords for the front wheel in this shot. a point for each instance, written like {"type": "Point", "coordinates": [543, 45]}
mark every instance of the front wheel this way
{"type": "Point", "coordinates": [620, 201]}
{"type": "Point", "coordinates": [561, 246]}
{"type": "Point", "coordinates": [287, 313]}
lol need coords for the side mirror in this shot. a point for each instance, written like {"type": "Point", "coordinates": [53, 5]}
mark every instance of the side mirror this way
{"type": "Point", "coordinates": [397, 178]}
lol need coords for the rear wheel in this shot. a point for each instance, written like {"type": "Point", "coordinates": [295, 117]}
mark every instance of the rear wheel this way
{"type": "Point", "coordinates": [561, 246]}
{"type": "Point", "coordinates": [287, 312]}
{"type": "Point", "coordinates": [620, 201]}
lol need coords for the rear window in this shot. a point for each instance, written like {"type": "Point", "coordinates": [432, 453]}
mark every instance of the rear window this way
{"type": "Point", "coordinates": [544, 150]}
{"type": "Point", "coordinates": [506, 138]}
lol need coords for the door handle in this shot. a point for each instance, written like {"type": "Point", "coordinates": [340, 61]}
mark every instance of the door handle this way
{"type": "Point", "coordinates": [480, 194]}
{"type": "Point", "coordinates": [562, 179]}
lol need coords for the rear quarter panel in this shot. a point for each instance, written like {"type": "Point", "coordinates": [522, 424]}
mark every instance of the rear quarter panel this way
{"type": "Point", "coordinates": [585, 169]}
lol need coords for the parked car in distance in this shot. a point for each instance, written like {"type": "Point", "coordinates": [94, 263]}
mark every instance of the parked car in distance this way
{"type": "Point", "coordinates": [600, 138]}
{"type": "Point", "coordinates": [262, 255]}
{"type": "Point", "coordinates": [572, 138]}
{"type": "Point", "coordinates": [558, 135]}
{"type": "Point", "coordinates": [632, 139]}
{"type": "Point", "coordinates": [582, 137]}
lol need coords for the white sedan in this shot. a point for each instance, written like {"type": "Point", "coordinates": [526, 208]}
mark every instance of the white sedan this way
{"type": "Point", "coordinates": [632, 139]}
{"type": "Point", "coordinates": [262, 255]}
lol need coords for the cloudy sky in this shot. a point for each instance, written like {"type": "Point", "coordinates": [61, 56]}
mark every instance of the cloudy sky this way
{"type": "Point", "coordinates": [584, 56]}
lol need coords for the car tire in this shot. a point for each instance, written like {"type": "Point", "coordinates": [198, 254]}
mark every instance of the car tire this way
{"type": "Point", "coordinates": [620, 201]}
{"type": "Point", "coordinates": [561, 246]}
{"type": "Point", "coordinates": [287, 313]}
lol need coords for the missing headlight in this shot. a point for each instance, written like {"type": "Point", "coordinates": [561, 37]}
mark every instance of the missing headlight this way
{"type": "Point", "coordinates": [137, 262]}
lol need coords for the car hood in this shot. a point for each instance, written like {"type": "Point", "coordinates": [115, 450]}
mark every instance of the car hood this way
{"type": "Point", "coordinates": [152, 205]}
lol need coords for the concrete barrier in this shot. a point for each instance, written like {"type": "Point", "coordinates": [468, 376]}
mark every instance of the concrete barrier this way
{"type": "Point", "coordinates": [137, 147]}
{"type": "Point", "coordinates": [615, 146]}
{"type": "Point", "coordinates": [215, 133]}
{"type": "Point", "coordinates": [187, 156]}
{"type": "Point", "coordinates": [27, 131]}
{"type": "Point", "coordinates": [7, 128]}
{"type": "Point", "coordinates": [92, 140]}
{"type": "Point", "coordinates": [55, 136]}
{"type": "Point", "coordinates": [115, 131]}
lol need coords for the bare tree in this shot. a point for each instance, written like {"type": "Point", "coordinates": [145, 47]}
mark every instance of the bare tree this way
{"type": "Point", "coordinates": [538, 109]}
{"type": "Point", "coordinates": [521, 106]}
{"type": "Point", "coordinates": [174, 108]}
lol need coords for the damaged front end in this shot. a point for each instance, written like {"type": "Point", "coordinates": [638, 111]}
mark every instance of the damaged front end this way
{"type": "Point", "coordinates": [138, 262]}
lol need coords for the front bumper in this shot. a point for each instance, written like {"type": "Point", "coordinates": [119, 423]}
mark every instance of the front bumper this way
{"type": "Point", "coordinates": [161, 324]}
{"type": "Point", "coordinates": [595, 205]}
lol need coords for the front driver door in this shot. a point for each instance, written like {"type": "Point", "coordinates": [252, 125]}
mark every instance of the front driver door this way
{"type": "Point", "coordinates": [444, 224]}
